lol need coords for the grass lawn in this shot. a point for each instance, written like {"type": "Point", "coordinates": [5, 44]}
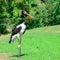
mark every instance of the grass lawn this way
{"type": "Point", "coordinates": [37, 44]}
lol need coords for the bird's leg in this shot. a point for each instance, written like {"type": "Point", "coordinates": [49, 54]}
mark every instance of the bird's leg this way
{"type": "Point", "coordinates": [19, 45]}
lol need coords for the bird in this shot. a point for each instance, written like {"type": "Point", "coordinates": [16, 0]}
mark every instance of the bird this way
{"type": "Point", "coordinates": [19, 30]}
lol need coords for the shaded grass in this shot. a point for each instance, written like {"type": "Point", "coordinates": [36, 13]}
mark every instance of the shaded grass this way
{"type": "Point", "coordinates": [37, 44]}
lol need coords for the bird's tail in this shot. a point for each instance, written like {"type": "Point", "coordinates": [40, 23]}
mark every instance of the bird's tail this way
{"type": "Point", "coordinates": [10, 39]}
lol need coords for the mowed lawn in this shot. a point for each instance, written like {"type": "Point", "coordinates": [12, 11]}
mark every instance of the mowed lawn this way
{"type": "Point", "coordinates": [37, 44]}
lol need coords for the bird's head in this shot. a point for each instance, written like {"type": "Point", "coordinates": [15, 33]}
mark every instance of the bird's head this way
{"type": "Point", "coordinates": [25, 13]}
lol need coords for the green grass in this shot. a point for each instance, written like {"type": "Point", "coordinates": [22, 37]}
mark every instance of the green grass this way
{"type": "Point", "coordinates": [37, 44]}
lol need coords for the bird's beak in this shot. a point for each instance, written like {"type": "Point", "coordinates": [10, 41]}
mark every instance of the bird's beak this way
{"type": "Point", "coordinates": [31, 17]}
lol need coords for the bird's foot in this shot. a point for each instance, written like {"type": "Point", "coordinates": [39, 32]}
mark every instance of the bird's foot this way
{"type": "Point", "coordinates": [19, 46]}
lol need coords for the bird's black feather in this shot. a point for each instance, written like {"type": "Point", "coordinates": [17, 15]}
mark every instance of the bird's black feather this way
{"type": "Point", "coordinates": [16, 30]}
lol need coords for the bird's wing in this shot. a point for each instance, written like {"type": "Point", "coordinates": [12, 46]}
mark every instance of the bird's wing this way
{"type": "Point", "coordinates": [16, 30]}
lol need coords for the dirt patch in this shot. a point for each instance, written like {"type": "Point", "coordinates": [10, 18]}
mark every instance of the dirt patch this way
{"type": "Point", "coordinates": [5, 36]}
{"type": "Point", "coordinates": [58, 31]}
{"type": "Point", "coordinates": [46, 29]}
{"type": "Point", "coordinates": [4, 57]}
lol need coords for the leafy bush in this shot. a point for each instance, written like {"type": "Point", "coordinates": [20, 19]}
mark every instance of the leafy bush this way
{"type": "Point", "coordinates": [3, 27]}
{"type": "Point", "coordinates": [44, 13]}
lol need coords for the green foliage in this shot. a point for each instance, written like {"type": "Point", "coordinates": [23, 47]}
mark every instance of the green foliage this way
{"type": "Point", "coordinates": [44, 13]}
{"type": "Point", "coordinates": [3, 27]}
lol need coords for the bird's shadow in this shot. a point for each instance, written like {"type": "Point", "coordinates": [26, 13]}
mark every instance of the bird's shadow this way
{"type": "Point", "coordinates": [18, 55]}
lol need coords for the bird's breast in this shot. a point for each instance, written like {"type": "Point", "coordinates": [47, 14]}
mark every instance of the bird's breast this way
{"type": "Point", "coordinates": [23, 29]}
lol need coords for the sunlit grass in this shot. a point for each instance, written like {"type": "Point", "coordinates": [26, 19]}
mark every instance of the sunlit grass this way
{"type": "Point", "coordinates": [37, 44]}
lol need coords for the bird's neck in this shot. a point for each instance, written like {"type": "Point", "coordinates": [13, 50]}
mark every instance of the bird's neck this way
{"type": "Point", "coordinates": [25, 22]}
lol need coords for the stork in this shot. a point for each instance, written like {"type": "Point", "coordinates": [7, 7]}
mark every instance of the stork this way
{"type": "Point", "coordinates": [19, 30]}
